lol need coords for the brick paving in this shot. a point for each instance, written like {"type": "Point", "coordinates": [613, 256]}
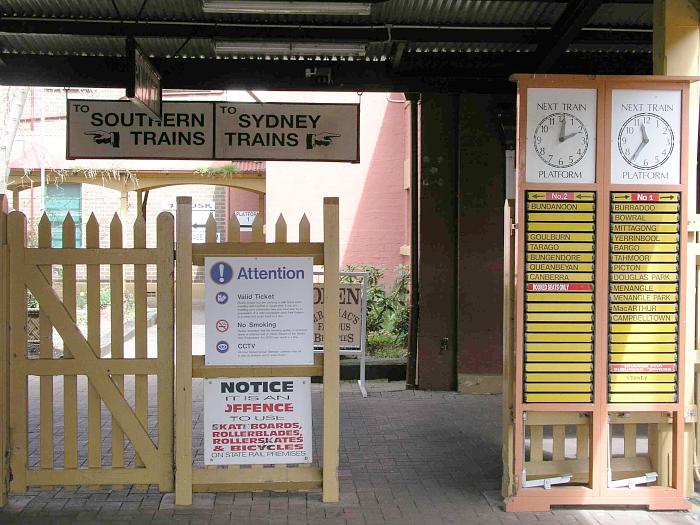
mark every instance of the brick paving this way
{"type": "Point", "coordinates": [405, 458]}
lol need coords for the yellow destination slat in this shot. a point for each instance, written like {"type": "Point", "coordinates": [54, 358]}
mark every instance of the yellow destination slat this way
{"type": "Point", "coordinates": [643, 288]}
{"type": "Point", "coordinates": [643, 297]}
{"type": "Point", "coordinates": [560, 237]}
{"type": "Point", "coordinates": [644, 308]}
{"type": "Point", "coordinates": [559, 347]}
{"type": "Point", "coordinates": [563, 227]}
{"type": "Point", "coordinates": [640, 238]}
{"type": "Point", "coordinates": [642, 398]}
{"type": "Point", "coordinates": [644, 247]}
{"type": "Point", "coordinates": [559, 196]}
{"type": "Point", "coordinates": [563, 217]}
{"type": "Point", "coordinates": [642, 358]}
{"type": "Point", "coordinates": [558, 367]}
{"type": "Point", "coordinates": [643, 338]}
{"type": "Point", "coordinates": [558, 398]}
{"type": "Point", "coordinates": [644, 257]}
{"type": "Point", "coordinates": [543, 377]}
{"type": "Point", "coordinates": [580, 297]}
{"type": "Point", "coordinates": [558, 307]}
{"type": "Point", "coordinates": [560, 257]}
{"type": "Point", "coordinates": [643, 277]}
{"type": "Point", "coordinates": [641, 387]}
{"type": "Point", "coordinates": [558, 387]}
{"type": "Point", "coordinates": [559, 277]}
{"type": "Point", "coordinates": [644, 267]}
{"type": "Point", "coordinates": [559, 338]}
{"type": "Point", "coordinates": [559, 327]}
{"type": "Point", "coordinates": [559, 317]}
{"type": "Point", "coordinates": [549, 357]}
{"type": "Point", "coordinates": [559, 247]}
{"type": "Point", "coordinates": [559, 267]}
{"type": "Point", "coordinates": [645, 217]}
{"type": "Point", "coordinates": [640, 207]}
{"type": "Point", "coordinates": [638, 348]}
{"type": "Point", "coordinates": [659, 317]}
{"type": "Point", "coordinates": [642, 377]}
{"type": "Point", "coordinates": [661, 197]}
{"type": "Point", "coordinates": [646, 328]}
{"type": "Point", "coordinates": [633, 227]}
{"type": "Point", "coordinates": [561, 206]}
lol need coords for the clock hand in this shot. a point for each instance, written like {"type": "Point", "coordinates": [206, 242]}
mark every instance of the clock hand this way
{"type": "Point", "coordinates": [567, 137]}
{"type": "Point", "coordinates": [645, 137]}
{"type": "Point", "coordinates": [562, 130]}
{"type": "Point", "coordinates": [639, 149]}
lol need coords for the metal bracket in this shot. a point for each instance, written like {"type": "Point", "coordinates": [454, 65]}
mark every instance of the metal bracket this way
{"type": "Point", "coordinates": [546, 482]}
{"type": "Point", "coordinates": [630, 483]}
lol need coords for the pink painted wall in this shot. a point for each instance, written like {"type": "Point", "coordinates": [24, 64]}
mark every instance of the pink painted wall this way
{"type": "Point", "coordinates": [373, 201]}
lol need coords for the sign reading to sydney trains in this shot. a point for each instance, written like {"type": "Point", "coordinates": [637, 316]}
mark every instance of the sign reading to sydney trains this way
{"type": "Point", "coordinates": [214, 130]}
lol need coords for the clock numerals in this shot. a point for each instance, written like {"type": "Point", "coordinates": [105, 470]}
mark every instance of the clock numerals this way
{"type": "Point", "coordinates": [561, 140]}
{"type": "Point", "coordinates": [645, 141]}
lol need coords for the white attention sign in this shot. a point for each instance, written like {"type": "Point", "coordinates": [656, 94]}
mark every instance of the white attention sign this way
{"type": "Point", "coordinates": [257, 421]}
{"type": "Point", "coordinates": [258, 310]}
{"type": "Point", "coordinates": [280, 131]}
{"type": "Point", "coordinates": [105, 129]}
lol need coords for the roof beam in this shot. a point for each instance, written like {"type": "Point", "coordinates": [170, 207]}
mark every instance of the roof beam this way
{"type": "Point", "coordinates": [567, 28]}
{"type": "Point", "coordinates": [230, 31]}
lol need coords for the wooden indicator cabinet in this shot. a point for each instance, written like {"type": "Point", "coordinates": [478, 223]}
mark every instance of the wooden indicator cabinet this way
{"type": "Point", "coordinates": [601, 227]}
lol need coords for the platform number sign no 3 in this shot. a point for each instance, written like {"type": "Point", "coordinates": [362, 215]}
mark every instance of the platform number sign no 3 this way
{"type": "Point", "coordinates": [561, 140]}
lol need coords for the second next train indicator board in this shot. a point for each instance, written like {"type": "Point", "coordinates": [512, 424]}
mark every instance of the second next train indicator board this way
{"type": "Point", "coordinates": [559, 296]}
{"type": "Point", "coordinates": [644, 270]}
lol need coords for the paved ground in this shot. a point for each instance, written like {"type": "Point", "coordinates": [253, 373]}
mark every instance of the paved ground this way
{"type": "Point", "coordinates": [406, 458]}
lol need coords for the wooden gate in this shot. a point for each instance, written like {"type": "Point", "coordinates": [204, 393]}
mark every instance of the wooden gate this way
{"type": "Point", "coordinates": [141, 451]}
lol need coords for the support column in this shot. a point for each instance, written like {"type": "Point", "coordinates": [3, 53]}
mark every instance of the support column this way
{"type": "Point", "coordinates": [677, 52]}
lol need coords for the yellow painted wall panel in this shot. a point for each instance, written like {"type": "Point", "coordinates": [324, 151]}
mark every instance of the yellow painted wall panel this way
{"type": "Point", "coordinates": [563, 338]}
{"type": "Point", "coordinates": [647, 247]}
{"type": "Point", "coordinates": [643, 358]}
{"type": "Point", "coordinates": [561, 206]}
{"type": "Point", "coordinates": [560, 237]}
{"type": "Point", "coordinates": [644, 217]}
{"type": "Point", "coordinates": [642, 398]}
{"type": "Point", "coordinates": [543, 377]}
{"type": "Point", "coordinates": [641, 207]}
{"type": "Point", "coordinates": [559, 267]}
{"type": "Point", "coordinates": [643, 267]}
{"type": "Point", "coordinates": [559, 247]}
{"type": "Point", "coordinates": [633, 227]}
{"type": "Point", "coordinates": [645, 328]}
{"type": "Point", "coordinates": [643, 377]}
{"type": "Point", "coordinates": [550, 357]}
{"type": "Point", "coordinates": [558, 387]}
{"type": "Point", "coordinates": [557, 297]}
{"type": "Point", "coordinates": [558, 398]}
{"type": "Point", "coordinates": [642, 387]}
{"type": "Point", "coordinates": [558, 367]}
{"type": "Point", "coordinates": [558, 307]}
{"type": "Point", "coordinates": [643, 308]}
{"type": "Point", "coordinates": [643, 277]}
{"type": "Point", "coordinates": [643, 338]}
{"type": "Point", "coordinates": [560, 277]}
{"type": "Point", "coordinates": [644, 298]}
{"type": "Point", "coordinates": [564, 217]}
{"type": "Point", "coordinates": [639, 348]}
{"type": "Point", "coordinates": [558, 327]}
{"type": "Point", "coordinates": [562, 227]}
{"type": "Point", "coordinates": [645, 257]}
{"type": "Point", "coordinates": [643, 287]}
{"type": "Point", "coordinates": [558, 347]}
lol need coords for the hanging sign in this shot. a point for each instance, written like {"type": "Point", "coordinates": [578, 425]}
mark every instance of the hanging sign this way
{"type": "Point", "coordinates": [145, 88]}
{"type": "Point", "coordinates": [267, 305]}
{"type": "Point", "coordinates": [104, 129]}
{"type": "Point", "coordinates": [280, 131]}
{"type": "Point", "coordinates": [350, 302]}
{"type": "Point", "coordinates": [257, 420]}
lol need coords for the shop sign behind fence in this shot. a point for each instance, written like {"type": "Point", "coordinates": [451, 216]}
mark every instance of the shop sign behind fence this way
{"type": "Point", "coordinates": [257, 420]}
{"type": "Point", "coordinates": [101, 129]}
{"type": "Point", "coordinates": [350, 301]}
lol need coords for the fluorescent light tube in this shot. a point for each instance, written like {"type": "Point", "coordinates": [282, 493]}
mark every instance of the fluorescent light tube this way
{"type": "Point", "coordinates": [289, 48]}
{"type": "Point", "coordinates": [286, 8]}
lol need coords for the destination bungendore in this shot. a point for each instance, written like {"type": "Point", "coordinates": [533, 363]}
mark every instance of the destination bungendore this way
{"type": "Point", "coordinates": [259, 420]}
{"type": "Point", "coordinates": [258, 311]}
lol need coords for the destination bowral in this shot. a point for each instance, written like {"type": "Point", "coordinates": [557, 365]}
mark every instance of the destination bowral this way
{"type": "Point", "coordinates": [643, 323]}
{"type": "Point", "coordinates": [559, 280]}
{"type": "Point", "coordinates": [596, 371]}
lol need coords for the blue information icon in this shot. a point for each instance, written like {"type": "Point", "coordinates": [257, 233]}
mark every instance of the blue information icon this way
{"type": "Point", "coordinates": [222, 347]}
{"type": "Point", "coordinates": [221, 297]}
{"type": "Point", "coordinates": [221, 273]}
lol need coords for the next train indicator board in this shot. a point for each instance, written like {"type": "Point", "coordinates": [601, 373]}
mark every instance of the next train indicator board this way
{"type": "Point", "coordinates": [559, 296]}
{"type": "Point", "coordinates": [644, 271]}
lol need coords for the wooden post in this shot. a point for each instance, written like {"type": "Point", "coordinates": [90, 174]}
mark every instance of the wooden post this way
{"type": "Point", "coordinates": [70, 382]}
{"type": "Point", "coordinates": [4, 350]}
{"type": "Point", "coordinates": [508, 350]}
{"type": "Point", "coordinates": [16, 236]}
{"type": "Point", "coordinates": [116, 287]}
{"type": "Point", "coordinates": [46, 447]}
{"type": "Point", "coordinates": [140, 323]}
{"type": "Point", "coordinates": [166, 348]}
{"type": "Point", "coordinates": [331, 350]}
{"type": "Point", "coordinates": [183, 370]}
{"type": "Point", "coordinates": [92, 240]}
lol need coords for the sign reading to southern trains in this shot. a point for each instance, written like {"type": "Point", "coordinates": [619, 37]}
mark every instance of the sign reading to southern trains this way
{"type": "Point", "coordinates": [644, 271]}
{"type": "Point", "coordinates": [559, 296]}
{"type": "Point", "coordinates": [99, 129]}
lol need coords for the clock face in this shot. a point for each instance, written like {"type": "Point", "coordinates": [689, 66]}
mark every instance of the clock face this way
{"type": "Point", "coordinates": [645, 141]}
{"type": "Point", "coordinates": [645, 137]}
{"type": "Point", "coordinates": [561, 140]}
{"type": "Point", "coordinates": [561, 135]}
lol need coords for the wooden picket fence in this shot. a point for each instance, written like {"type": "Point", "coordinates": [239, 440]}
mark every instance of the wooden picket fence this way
{"type": "Point", "coordinates": [257, 477]}
{"type": "Point", "coordinates": [140, 451]}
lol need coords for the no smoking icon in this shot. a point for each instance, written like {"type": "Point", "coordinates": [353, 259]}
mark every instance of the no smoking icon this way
{"type": "Point", "coordinates": [222, 325]}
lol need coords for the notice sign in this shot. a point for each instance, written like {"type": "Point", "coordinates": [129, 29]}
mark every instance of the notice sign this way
{"type": "Point", "coordinates": [100, 129]}
{"type": "Point", "coordinates": [278, 131]}
{"type": "Point", "coordinates": [258, 310]}
{"type": "Point", "coordinates": [350, 301]}
{"type": "Point", "coordinates": [251, 421]}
